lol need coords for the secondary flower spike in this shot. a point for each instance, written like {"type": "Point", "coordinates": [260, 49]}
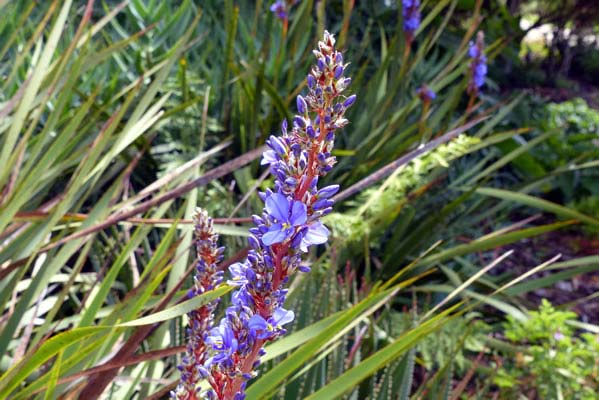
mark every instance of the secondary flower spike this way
{"type": "Point", "coordinates": [281, 8]}
{"type": "Point", "coordinates": [288, 226]}
{"type": "Point", "coordinates": [206, 278]}
{"type": "Point", "coordinates": [411, 18]}
{"type": "Point", "coordinates": [478, 65]}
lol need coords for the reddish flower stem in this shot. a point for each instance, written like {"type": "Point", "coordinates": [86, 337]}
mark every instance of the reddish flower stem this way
{"type": "Point", "coordinates": [247, 367]}
{"type": "Point", "coordinates": [311, 167]}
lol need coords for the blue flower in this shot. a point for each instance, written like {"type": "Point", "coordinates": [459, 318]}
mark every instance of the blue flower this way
{"type": "Point", "coordinates": [265, 329]}
{"type": "Point", "coordinates": [480, 71]}
{"type": "Point", "coordinates": [238, 275]}
{"type": "Point", "coordinates": [241, 297]}
{"type": "Point", "coordinates": [411, 15]}
{"type": "Point", "coordinates": [279, 8]}
{"type": "Point", "coordinates": [287, 214]}
{"type": "Point", "coordinates": [222, 339]}
{"type": "Point", "coordinates": [478, 65]}
{"type": "Point", "coordinates": [411, 23]}
{"type": "Point", "coordinates": [269, 157]}
{"type": "Point", "coordinates": [317, 233]}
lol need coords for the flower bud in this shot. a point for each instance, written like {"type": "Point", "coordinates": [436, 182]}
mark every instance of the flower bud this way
{"type": "Point", "coordinates": [349, 101]}
{"type": "Point", "coordinates": [302, 107]}
{"type": "Point", "coordinates": [277, 145]}
{"type": "Point", "coordinates": [299, 121]}
{"type": "Point", "coordinates": [327, 191]}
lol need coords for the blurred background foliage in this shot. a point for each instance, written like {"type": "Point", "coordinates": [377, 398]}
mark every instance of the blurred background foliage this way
{"type": "Point", "coordinates": [117, 119]}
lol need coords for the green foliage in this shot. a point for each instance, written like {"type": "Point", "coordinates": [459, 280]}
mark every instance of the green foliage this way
{"type": "Point", "coordinates": [376, 207]}
{"type": "Point", "coordinates": [578, 126]}
{"type": "Point", "coordinates": [565, 163]}
{"type": "Point", "coordinates": [111, 134]}
{"type": "Point", "coordinates": [554, 362]}
{"type": "Point", "coordinates": [575, 144]}
{"type": "Point", "coordinates": [452, 344]}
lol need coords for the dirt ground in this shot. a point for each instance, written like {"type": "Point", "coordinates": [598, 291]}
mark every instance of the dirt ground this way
{"type": "Point", "coordinates": [588, 92]}
{"type": "Point", "coordinates": [579, 294]}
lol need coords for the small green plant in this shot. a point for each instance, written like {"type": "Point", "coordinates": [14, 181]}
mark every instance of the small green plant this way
{"type": "Point", "coordinates": [575, 144]}
{"type": "Point", "coordinates": [577, 127]}
{"type": "Point", "coordinates": [554, 362]}
{"type": "Point", "coordinates": [567, 158]}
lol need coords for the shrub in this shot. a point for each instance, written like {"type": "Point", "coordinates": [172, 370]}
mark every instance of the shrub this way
{"type": "Point", "coordinates": [554, 362]}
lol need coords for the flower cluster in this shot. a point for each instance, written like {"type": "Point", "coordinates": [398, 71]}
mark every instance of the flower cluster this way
{"type": "Point", "coordinates": [289, 225]}
{"type": "Point", "coordinates": [411, 18]}
{"type": "Point", "coordinates": [206, 278]}
{"type": "Point", "coordinates": [478, 65]}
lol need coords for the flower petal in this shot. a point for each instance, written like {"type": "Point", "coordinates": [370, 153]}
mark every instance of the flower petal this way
{"type": "Point", "coordinates": [257, 323]}
{"type": "Point", "coordinates": [275, 234]}
{"type": "Point", "coordinates": [298, 213]}
{"type": "Point", "coordinates": [317, 234]}
{"type": "Point", "coordinates": [238, 277]}
{"type": "Point", "coordinates": [277, 206]}
{"type": "Point", "coordinates": [288, 233]}
{"type": "Point", "coordinates": [241, 297]}
{"type": "Point", "coordinates": [229, 339]}
{"type": "Point", "coordinates": [282, 316]}
{"type": "Point", "coordinates": [268, 157]}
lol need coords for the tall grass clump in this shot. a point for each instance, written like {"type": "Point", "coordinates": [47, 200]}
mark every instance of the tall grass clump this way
{"type": "Point", "coordinates": [119, 119]}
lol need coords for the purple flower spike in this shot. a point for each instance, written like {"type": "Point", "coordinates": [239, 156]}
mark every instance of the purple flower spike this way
{"type": "Point", "coordinates": [279, 8]}
{"type": "Point", "coordinates": [287, 214]}
{"type": "Point", "coordinates": [479, 74]}
{"type": "Point", "coordinates": [289, 224]}
{"type": "Point", "coordinates": [411, 17]}
{"type": "Point", "coordinates": [206, 277]}
{"type": "Point", "coordinates": [473, 51]}
{"type": "Point", "coordinates": [478, 65]}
